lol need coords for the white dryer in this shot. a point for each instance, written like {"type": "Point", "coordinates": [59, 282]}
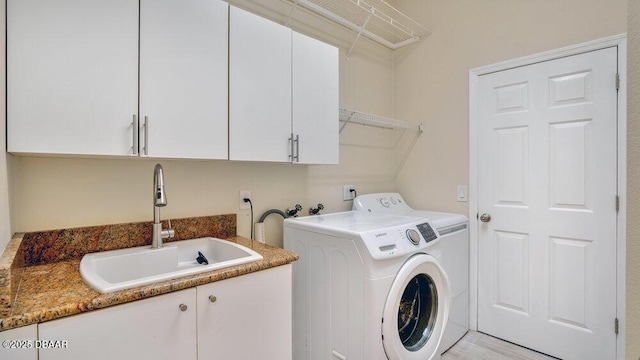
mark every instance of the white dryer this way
{"type": "Point", "coordinates": [366, 287]}
{"type": "Point", "coordinates": [454, 244]}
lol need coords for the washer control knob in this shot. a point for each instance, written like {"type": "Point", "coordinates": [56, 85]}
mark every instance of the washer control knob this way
{"type": "Point", "coordinates": [413, 236]}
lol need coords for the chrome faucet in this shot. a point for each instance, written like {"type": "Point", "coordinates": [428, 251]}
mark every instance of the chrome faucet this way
{"type": "Point", "coordinates": [159, 200]}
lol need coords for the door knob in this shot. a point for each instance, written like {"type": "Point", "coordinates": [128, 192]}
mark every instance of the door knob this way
{"type": "Point", "coordinates": [485, 217]}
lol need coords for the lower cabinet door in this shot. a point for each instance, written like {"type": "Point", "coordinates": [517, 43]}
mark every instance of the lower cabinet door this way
{"type": "Point", "coordinates": [246, 317]}
{"type": "Point", "coordinates": [20, 343]}
{"type": "Point", "coordinates": [162, 327]}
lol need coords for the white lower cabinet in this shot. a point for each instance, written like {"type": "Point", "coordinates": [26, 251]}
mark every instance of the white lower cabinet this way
{"type": "Point", "coordinates": [155, 328]}
{"type": "Point", "coordinates": [245, 317]}
{"type": "Point", "coordinates": [248, 317]}
{"type": "Point", "coordinates": [19, 343]}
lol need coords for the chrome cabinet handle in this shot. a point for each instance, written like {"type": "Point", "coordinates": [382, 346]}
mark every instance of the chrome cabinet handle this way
{"type": "Point", "coordinates": [485, 218]}
{"type": "Point", "coordinates": [135, 125]}
{"type": "Point", "coordinates": [183, 307]}
{"type": "Point", "coordinates": [294, 151]}
{"type": "Point", "coordinates": [291, 147]}
{"type": "Point", "coordinates": [213, 298]}
{"type": "Point", "coordinates": [146, 135]}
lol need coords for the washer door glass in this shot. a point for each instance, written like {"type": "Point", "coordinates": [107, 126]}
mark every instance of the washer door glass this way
{"type": "Point", "coordinates": [417, 312]}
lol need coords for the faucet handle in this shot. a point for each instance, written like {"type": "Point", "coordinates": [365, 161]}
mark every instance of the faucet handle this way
{"type": "Point", "coordinates": [168, 233]}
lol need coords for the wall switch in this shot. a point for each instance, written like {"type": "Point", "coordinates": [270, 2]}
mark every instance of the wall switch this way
{"type": "Point", "coordinates": [245, 194]}
{"type": "Point", "coordinates": [347, 194]}
{"type": "Point", "coordinates": [462, 193]}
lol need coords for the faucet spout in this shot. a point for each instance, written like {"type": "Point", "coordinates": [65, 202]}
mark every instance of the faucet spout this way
{"type": "Point", "coordinates": [159, 196]}
{"type": "Point", "coordinates": [159, 200]}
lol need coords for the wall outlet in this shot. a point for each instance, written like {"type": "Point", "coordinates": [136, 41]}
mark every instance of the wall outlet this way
{"type": "Point", "coordinates": [462, 193]}
{"type": "Point", "coordinates": [347, 194]}
{"type": "Point", "coordinates": [245, 194]}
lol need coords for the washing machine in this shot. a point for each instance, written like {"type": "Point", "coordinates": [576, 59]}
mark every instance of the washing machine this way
{"type": "Point", "coordinates": [454, 245]}
{"type": "Point", "coordinates": [366, 287]}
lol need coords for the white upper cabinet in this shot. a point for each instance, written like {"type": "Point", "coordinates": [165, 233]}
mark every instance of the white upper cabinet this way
{"type": "Point", "coordinates": [72, 76]}
{"type": "Point", "coordinates": [283, 94]}
{"type": "Point", "coordinates": [259, 88]}
{"type": "Point", "coordinates": [167, 79]}
{"type": "Point", "coordinates": [183, 78]}
{"type": "Point", "coordinates": [315, 100]}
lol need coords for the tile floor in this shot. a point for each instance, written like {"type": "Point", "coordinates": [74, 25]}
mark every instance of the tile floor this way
{"type": "Point", "coordinates": [478, 346]}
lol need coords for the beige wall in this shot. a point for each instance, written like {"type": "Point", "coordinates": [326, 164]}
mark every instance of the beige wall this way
{"type": "Point", "coordinates": [633, 183]}
{"type": "Point", "coordinates": [432, 83]}
{"type": "Point", "coordinates": [52, 193]}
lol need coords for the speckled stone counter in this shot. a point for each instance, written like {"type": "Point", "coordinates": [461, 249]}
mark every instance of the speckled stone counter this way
{"type": "Point", "coordinates": [38, 284]}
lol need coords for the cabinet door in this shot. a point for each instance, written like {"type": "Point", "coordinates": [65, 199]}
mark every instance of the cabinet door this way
{"type": "Point", "coordinates": [154, 328]}
{"type": "Point", "coordinates": [22, 349]}
{"type": "Point", "coordinates": [183, 78]}
{"type": "Point", "coordinates": [72, 76]}
{"type": "Point", "coordinates": [249, 318]}
{"type": "Point", "coordinates": [259, 88]}
{"type": "Point", "coordinates": [315, 100]}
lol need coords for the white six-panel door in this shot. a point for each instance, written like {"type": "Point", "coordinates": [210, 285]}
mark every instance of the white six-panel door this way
{"type": "Point", "coordinates": [547, 177]}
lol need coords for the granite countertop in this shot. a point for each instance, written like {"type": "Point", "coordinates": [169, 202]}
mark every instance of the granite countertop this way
{"type": "Point", "coordinates": [33, 292]}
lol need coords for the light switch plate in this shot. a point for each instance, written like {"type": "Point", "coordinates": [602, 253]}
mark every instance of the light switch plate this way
{"type": "Point", "coordinates": [462, 193]}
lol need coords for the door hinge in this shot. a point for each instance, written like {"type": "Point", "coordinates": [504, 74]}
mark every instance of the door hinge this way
{"type": "Point", "coordinates": [616, 326]}
{"type": "Point", "coordinates": [617, 203]}
{"type": "Point", "coordinates": [617, 81]}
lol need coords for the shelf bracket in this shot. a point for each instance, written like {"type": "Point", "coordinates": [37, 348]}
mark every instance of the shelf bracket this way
{"type": "Point", "coordinates": [362, 29]}
{"type": "Point", "coordinates": [408, 151]}
{"type": "Point", "coordinates": [293, 8]}
{"type": "Point", "coordinates": [346, 120]}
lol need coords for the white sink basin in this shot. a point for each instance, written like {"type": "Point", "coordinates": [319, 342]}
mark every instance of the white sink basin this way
{"type": "Point", "coordinates": [115, 270]}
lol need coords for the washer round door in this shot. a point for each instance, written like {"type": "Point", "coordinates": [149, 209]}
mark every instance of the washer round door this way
{"type": "Point", "coordinates": [416, 310]}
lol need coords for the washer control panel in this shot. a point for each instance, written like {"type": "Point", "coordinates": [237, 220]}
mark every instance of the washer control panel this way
{"type": "Point", "coordinates": [400, 240]}
{"type": "Point", "coordinates": [427, 232]}
{"type": "Point", "coordinates": [413, 236]}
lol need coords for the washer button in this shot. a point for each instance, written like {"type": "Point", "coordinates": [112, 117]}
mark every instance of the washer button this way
{"type": "Point", "coordinates": [413, 236]}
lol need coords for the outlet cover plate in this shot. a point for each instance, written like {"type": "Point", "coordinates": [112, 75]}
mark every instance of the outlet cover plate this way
{"type": "Point", "coordinates": [347, 194]}
{"type": "Point", "coordinates": [244, 194]}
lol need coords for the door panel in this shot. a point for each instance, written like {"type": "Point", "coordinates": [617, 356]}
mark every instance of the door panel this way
{"type": "Point", "coordinates": [183, 78]}
{"type": "Point", "coordinates": [547, 160]}
{"type": "Point", "coordinates": [259, 88]}
{"type": "Point", "coordinates": [72, 76]}
{"type": "Point", "coordinates": [512, 272]}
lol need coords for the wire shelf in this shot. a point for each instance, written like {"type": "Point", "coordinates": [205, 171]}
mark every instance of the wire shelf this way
{"type": "Point", "coordinates": [375, 19]}
{"type": "Point", "coordinates": [402, 152]}
{"type": "Point", "coordinates": [356, 117]}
